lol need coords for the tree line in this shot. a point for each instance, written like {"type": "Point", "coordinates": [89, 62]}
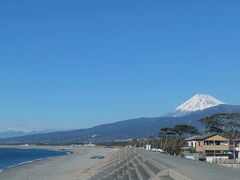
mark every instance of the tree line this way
{"type": "Point", "coordinates": [172, 139]}
{"type": "Point", "coordinates": [226, 124]}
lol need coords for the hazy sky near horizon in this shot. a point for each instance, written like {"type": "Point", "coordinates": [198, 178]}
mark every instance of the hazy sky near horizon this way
{"type": "Point", "coordinates": [75, 64]}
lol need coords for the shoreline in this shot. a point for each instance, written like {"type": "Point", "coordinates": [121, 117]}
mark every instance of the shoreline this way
{"type": "Point", "coordinates": [77, 165]}
{"type": "Point", "coordinates": [21, 164]}
{"type": "Point", "coordinates": [34, 160]}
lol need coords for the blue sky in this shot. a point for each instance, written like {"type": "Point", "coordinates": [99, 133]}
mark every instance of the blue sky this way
{"type": "Point", "coordinates": [75, 64]}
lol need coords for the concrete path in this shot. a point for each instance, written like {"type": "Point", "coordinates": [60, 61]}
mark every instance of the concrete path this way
{"type": "Point", "coordinates": [131, 164]}
{"type": "Point", "coordinates": [193, 169]}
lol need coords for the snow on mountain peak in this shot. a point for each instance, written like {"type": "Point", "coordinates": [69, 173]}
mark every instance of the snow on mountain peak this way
{"type": "Point", "coordinates": [199, 102]}
{"type": "Point", "coordinates": [196, 103]}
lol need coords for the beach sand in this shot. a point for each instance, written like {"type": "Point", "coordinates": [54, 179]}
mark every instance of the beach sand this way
{"type": "Point", "coordinates": [76, 166]}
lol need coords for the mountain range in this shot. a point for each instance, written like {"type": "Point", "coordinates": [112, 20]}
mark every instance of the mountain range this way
{"type": "Point", "coordinates": [13, 132]}
{"type": "Point", "coordinates": [200, 106]}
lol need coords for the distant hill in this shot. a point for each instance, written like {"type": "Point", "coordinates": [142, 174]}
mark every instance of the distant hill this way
{"type": "Point", "coordinates": [9, 133]}
{"type": "Point", "coordinates": [122, 130]}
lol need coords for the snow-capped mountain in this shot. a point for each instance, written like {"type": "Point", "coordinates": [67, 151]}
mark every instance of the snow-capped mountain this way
{"type": "Point", "coordinates": [196, 103]}
{"type": "Point", "coordinates": [192, 111]}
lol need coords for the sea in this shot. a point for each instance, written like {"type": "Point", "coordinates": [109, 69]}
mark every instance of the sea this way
{"type": "Point", "coordinates": [10, 157]}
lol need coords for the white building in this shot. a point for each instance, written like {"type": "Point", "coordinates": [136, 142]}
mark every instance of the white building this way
{"type": "Point", "coordinates": [148, 147]}
{"type": "Point", "coordinates": [191, 142]}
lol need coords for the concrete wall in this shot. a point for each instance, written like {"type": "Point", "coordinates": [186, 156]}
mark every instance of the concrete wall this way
{"type": "Point", "coordinates": [216, 159]}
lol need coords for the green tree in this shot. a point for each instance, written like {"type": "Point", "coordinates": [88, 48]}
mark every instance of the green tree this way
{"type": "Point", "coordinates": [165, 134]}
{"type": "Point", "coordinates": [183, 129]}
{"type": "Point", "coordinates": [223, 123]}
{"type": "Point", "coordinates": [231, 124]}
{"type": "Point", "coordinates": [212, 123]}
{"type": "Point", "coordinates": [172, 139]}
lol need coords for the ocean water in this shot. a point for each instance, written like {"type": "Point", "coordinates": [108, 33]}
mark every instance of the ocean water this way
{"type": "Point", "coordinates": [11, 156]}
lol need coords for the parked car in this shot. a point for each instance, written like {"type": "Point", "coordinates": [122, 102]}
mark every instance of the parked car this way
{"type": "Point", "coordinates": [158, 150]}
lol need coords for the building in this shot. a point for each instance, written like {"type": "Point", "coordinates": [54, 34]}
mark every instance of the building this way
{"type": "Point", "coordinates": [191, 142]}
{"type": "Point", "coordinates": [235, 147]}
{"type": "Point", "coordinates": [148, 147]}
{"type": "Point", "coordinates": [213, 146]}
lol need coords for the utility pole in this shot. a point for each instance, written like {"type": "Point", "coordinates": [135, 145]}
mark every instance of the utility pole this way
{"type": "Point", "coordinates": [214, 151]}
{"type": "Point", "coordinates": [234, 151]}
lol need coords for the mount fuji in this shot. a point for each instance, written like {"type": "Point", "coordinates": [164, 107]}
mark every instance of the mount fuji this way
{"type": "Point", "coordinates": [200, 106]}
{"type": "Point", "coordinates": [198, 102]}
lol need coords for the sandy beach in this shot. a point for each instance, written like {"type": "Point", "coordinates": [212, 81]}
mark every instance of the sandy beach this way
{"type": "Point", "coordinates": [75, 166]}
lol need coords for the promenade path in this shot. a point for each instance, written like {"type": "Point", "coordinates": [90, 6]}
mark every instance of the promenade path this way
{"type": "Point", "coordinates": [130, 164]}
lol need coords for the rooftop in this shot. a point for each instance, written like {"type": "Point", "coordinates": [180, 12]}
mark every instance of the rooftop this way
{"type": "Point", "coordinates": [201, 137]}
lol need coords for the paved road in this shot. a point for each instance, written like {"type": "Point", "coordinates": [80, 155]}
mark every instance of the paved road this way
{"type": "Point", "coordinates": [194, 169]}
{"type": "Point", "coordinates": [143, 165]}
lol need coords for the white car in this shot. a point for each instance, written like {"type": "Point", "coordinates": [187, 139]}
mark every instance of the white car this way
{"type": "Point", "coordinates": [158, 150]}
